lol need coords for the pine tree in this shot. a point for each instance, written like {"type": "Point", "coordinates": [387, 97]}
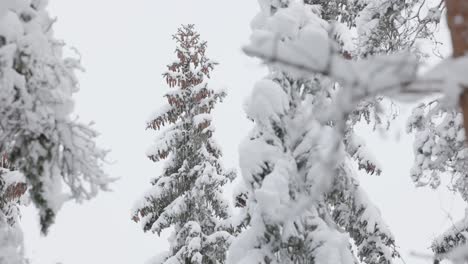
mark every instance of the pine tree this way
{"type": "Point", "coordinates": [302, 194]}
{"type": "Point", "coordinates": [39, 136]}
{"type": "Point", "coordinates": [188, 194]}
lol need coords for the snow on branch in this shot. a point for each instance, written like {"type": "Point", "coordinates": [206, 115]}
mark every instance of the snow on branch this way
{"type": "Point", "coordinates": [455, 237]}
{"type": "Point", "coordinates": [395, 75]}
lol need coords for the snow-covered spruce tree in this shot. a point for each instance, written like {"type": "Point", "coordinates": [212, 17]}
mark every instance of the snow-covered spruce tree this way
{"type": "Point", "coordinates": [12, 194]}
{"type": "Point", "coordinates": [40, 138]}
{"type": "Point", "coordinates": [188, 194]}
{"type": "Point", "coordinates": [383, 27]}
{"type": "Point", "coordinates": [302, 191]}
{"type": "Point", "coordinates": [289, 215]}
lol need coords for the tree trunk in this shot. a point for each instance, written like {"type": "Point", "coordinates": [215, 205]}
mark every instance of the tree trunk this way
{"type": "Point", "coordinates": [457, 19]}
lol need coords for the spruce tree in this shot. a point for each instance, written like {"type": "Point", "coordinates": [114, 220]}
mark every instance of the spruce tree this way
{"type": "Point", "coordinates": [303, 200]}
{"type": "Point", "coordinates": [188, 194]}
{"type": "Point", "coordinates": [384, 27]}
{"type": "Point", "coordinates": [39, 135]}
{"type": "Point", "coordinates": [287, 215]}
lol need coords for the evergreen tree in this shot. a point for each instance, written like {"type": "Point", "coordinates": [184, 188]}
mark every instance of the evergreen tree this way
{"type": "Point", "coordinates": [188, 193]}
{"type": "Point", "coordinates": [384, 27]}
{"type": "Point", "coordinates": [39, 136]}
{"type": "Point", "coordinates": [303, 201]}
{"type": "Point", "coordinates": [287, 207]}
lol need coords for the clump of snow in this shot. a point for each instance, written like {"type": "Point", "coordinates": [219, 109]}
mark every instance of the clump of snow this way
{"type": "Point", "coordinates": [433, 14]}
{"type": "Point", "coordinates": [12, 177]}
{"type": "Point", "coordinates": [459, 255]}
{"type": "Point", "coordinates": [303, 29]}
{"type": "Point", "coordinates": [159, 259]}
{"type": "Point", "coordinates": [268, 102]}
{"type": "Point", "coordinates": [201, 119]}
{"type": "Point", "coordinates": [450, 75]}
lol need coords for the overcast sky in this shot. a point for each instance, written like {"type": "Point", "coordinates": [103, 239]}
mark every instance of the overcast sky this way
{"type": "Point", "coordinates": [125, 46]}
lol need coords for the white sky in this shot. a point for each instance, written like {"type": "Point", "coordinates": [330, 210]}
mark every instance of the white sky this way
{"type": "Point", "coordinates": [125, 46]}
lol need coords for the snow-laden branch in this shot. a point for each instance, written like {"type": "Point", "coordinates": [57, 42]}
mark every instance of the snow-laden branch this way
{"type": "Point", "coordinates": [395, 75]}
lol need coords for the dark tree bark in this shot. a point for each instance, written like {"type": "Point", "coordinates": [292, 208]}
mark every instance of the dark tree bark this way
{"type": "Point", "coordinates": [457, 19]}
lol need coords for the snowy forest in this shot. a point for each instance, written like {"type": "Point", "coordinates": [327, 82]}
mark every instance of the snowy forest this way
{"type": "Point", "coordinates": [233, 132]}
